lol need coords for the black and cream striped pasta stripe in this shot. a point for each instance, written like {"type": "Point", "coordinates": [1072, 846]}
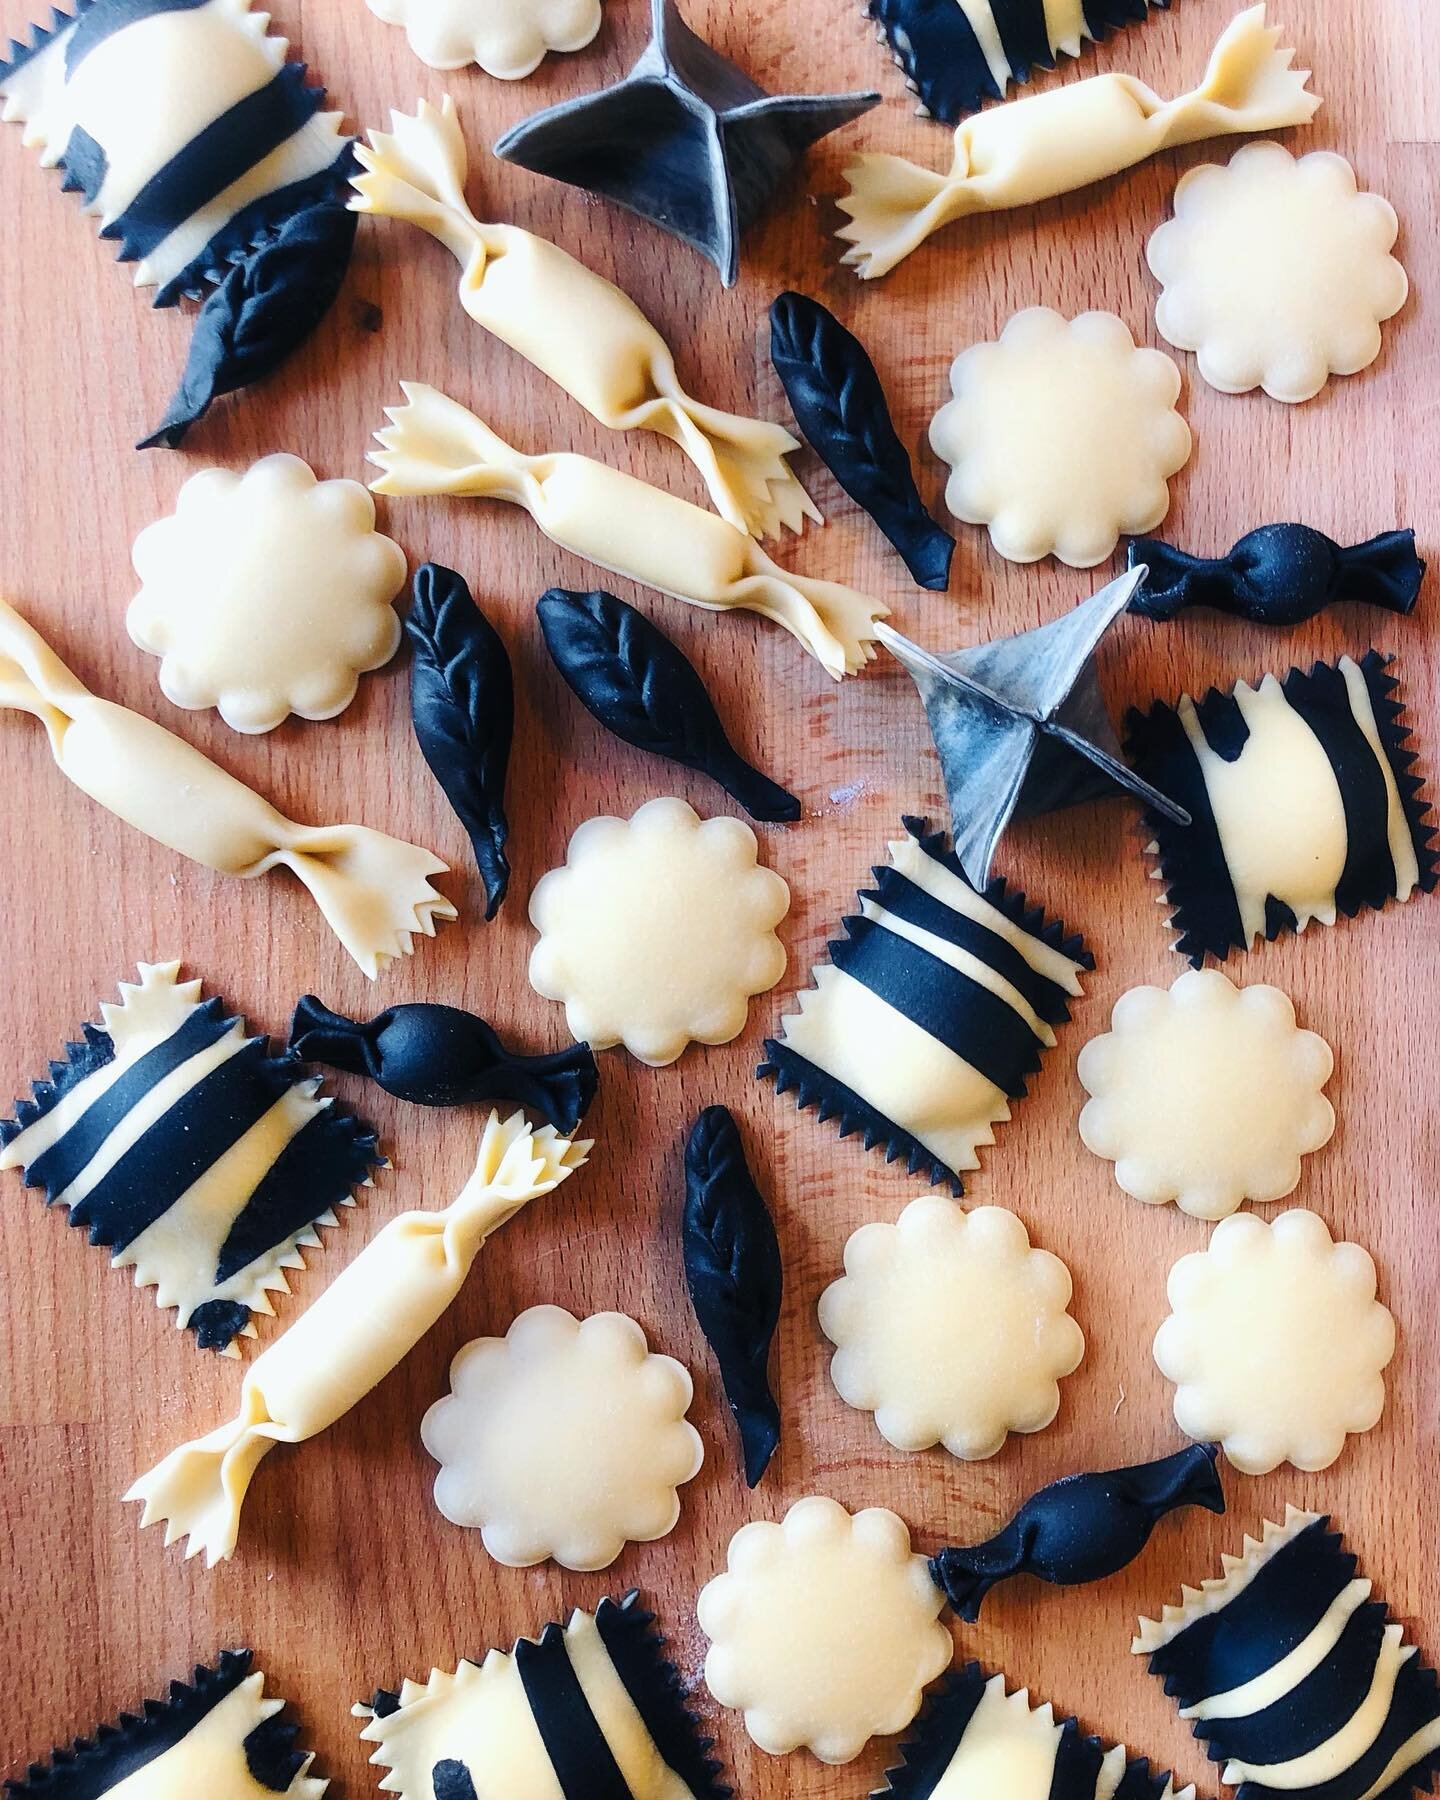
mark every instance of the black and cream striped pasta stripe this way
{"type": "Point", "coordinates": [176, 1141]}
{"type": "Point", "coordinates": [217, 1737]}
{"type": "Point", "coordinates": [932, 1013]}
{"type": "Point", "coordinates": [957, 54]}
{"type": "Point", "coordinates": [1294, 1678]}
{"type": "Point", "coordinates": [976, 1739]}
{"type": "Point", "coordinates": [1303, 803]}
{"type": "Point", "coordinates": [182, 127]}
{"type": "Point", "coordinates": [590, 1711]}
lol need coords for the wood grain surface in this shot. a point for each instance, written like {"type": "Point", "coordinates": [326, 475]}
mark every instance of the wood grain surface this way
{"type": "Point", "coordinates": [346, 1575]}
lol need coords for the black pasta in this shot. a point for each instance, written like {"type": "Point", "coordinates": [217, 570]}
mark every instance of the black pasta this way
{"type": "Point", "coordinates": [841, 408]}
{"type": "Point", "coordinates": [1279, 575]}
{"type": "Point", "coordinates": [462, 702]}
{"type": "Point", "coordinates": [1081, 1528]}
{"type": "Point", "coordinates": [734, 1273]}
{"type": "Point", "coordinates": [443, 1056]}
{"type": "Point", "coordinates": [264, 308]}
{"type": "Point", "coordinates": [641, 686]}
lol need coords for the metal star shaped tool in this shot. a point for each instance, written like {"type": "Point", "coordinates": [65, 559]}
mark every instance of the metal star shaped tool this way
{"type": "Point", "coordinates": [686, 139]}
{"type": "Point", "coordinates": [1020, 727]}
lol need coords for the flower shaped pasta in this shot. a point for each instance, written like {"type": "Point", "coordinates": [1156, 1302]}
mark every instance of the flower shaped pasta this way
{"type": "Point", "coordinates": [564, 1438]}
{"type": "Point", "coordinates": [266, 593]}
{"type": "Point", "coordinates": [658, 930]}
{"type": "Point", "coordinates": [507, 38]}
{"type": "Point", "coordinates": [1205, 1094]}
{"type": "Point", "coordinates": [1061, 436]}
{"type": "Point", "coordinates": [824, 1629]}
{"type": "Point", "coordinates": [1276, 1342]}
{"type": "Point", "coordinates": [950, 1328]}
{"type": "Point", "coordinates": [1276, 272]}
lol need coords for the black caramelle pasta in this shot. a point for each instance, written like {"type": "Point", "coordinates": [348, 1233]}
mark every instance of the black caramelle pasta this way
{"type": "Point", "coordinates": [1081, 1528]}
{"type": "Point", "coordinates": [1321, 1670]}
{"type": "Point", "coordinates": [1279, 575]}
{"type": "Point", "coordinates": [841, 408]}
{"type": "Point", "coordinates": [172, 1126]}
{"type": "Point", "coordinates": [955, 58]}
{"type": "Point", "coordinates": [1257, 769]}
{"type": "Point", "coordinates": [444, 1056]}
{"type": "Point", "coordinates": [735, 1277]}
{"type": "Point", "coordinates": [535, 1694]}
{"type": "Point", "coordinates": [641, 686]}
{"type": "Point", "coordinates": [975, 1738]}
{"type": "Point", "coordinates": [462, 703]}
{"type": "Point", "coordinates": [181, 1742]}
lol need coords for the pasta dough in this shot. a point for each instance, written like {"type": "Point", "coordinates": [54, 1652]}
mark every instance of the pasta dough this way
{"type": "Point", "coordinates": [1051, 143]}
{"type": "Point", "coordinates": [373, 890]}
{"type": "Point", "coordinates": [564, 1438]}
{"type": "Point", "coordinates": [977, 1742]}
{"type": "Point", "coordinates": [1276, 1342]}
{"type": "Point", "coordinates": [434, 446]}
{"type": "Point", "coordinates": [1276, 273]}
{"type": "Point", "coordinates": [507, 38]}
{"type": "Point", "coordinates": [374, 1312]}
{"type": "Point", "coordinates": [217, 1735]}
{"type": "Point", "coordinates": [1302, 799]}
{"type": "Point", "coordinates": [950, 1328]}
{"type": "Point", "coordinates": [823, 1628]}
{"type": "Point", "coordinates": [266, 593]}
{"type": "Point", "coordinates": [202, 1163]}
{"type": "Point", "coordinates": [1206, 1095]}
{"type": "Point", "coordinates": [1061, 436]}
{"type": "Point", "coordinates": [657, 931]}
{"type": "Point", "coordinates": [931, 1016]}
{"type": "Point", "coordinates": [573, 325]}
{"type": "Point", "coordinates": [1295, 1679]}
{"type": "Point", "coordinates": [587, 1711]}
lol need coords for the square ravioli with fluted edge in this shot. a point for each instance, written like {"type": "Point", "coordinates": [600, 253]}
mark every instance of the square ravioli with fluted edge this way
{"type": "Point", "coordinates": [1303, 801]}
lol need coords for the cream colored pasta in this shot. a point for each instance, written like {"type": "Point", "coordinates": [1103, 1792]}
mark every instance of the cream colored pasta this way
{"type": "Point", "coordinates": [434, 446]}
{"type": "Point", "coordinates": [573, 325]}
{"type": "Point", "coordinates": [372, 889]}
{"type": "Point", "coordinates": [375, 1311]}
{"type": "Point", "coordinates": [1047, 144]}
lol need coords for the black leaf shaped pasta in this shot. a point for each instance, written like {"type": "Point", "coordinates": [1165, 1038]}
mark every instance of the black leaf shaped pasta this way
{"type": "Point", "coordinates": [264, 308]}
{"type": "Point", "coordinates": [642, 687]}
{"type": "Point", "coordinates": [462, 702]}
{"type": "Point", "coordinates": [443, 1056]}
{"type": "Point", "coordinates": [841, 408]}
{"type": "Point", "coordinates": [1081, 1528]}
{"type": "Point", "coordinates": [733, 1270]}
{"type": "Point", "coordinates": [1279, 575]}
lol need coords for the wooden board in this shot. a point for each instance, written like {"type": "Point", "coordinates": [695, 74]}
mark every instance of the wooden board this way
{"type": "Point", "coordinates": [346, 1575]}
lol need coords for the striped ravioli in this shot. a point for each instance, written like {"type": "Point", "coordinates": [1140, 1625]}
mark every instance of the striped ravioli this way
{"type": "Point", "coordinates": [216, 1737]}
{"type": "Point", "coordinates": [204, 1163]}
{"type": "Point", "coordinates": [1294, 1678]}
{"type": "Point", "coordinates": [1302, 802]}
{"type": "Point", "coordinates": [976, 1742]}
{"type": "Point", "coordinates": [587, 1711]}
{"type": "Point", "coordinates": [182, 127]}
{"type": "Point", "coordinates": [957, 54]}
{"type": "Point", "coordinates": [932, 1012]}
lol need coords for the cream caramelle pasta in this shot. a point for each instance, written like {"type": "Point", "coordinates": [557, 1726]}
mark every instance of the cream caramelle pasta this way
{"type": "Point", "coordinates": [574, 325]}
{"type": "Point", "coordinates": [376, 1309]}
